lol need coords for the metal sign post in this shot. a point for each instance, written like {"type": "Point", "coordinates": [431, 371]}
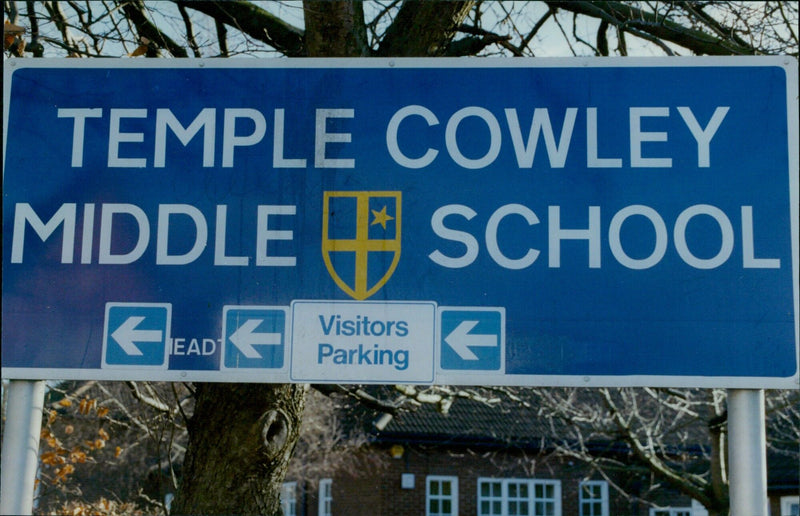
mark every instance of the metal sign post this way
{"type": "Point", "coordinates": [747, 445]}
{"type": "Point", "coordinates": [21, 446]}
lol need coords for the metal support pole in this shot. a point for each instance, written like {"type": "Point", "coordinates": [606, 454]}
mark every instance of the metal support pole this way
{"type": "Point", "coordinates": [747, 452]}
{"type": "Point", "coordinates": [21, 446]}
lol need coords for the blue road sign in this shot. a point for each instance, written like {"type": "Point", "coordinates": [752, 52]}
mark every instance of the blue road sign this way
{"type": "Point", "coordinates": [636, 220]}
{"type": "Point", "coordinates": [255, 337]}
{"type": "Point", "coordinates": [136, 335]}
{"type": "Point", "coordinates": [472, 339]}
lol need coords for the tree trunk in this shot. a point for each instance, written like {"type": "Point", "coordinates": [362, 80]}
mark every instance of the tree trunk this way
{"type": "Point", "coordinates": [241, 438]}
{"type": "Point", "coordinates": [424, 29]}
{"type": "Point", "coordinates": [335, 29]}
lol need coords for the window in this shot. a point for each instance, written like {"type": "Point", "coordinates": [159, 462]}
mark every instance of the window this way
{"type": "Point", "coordinates": [325, 497]}
{"type": "Point", "coordinates": [518, 497]}
{"type": "Point", "coordinates": [593, 498]}
{"type": "Point", "coordinates": [289, 498]}
{"type": "Point", "coordinates": [698, 509]}
{"type": "Point", "coordinates": [441, 496]}
{"type": "Point", "coordinates": [790, 506]}
{"type": "Point", "coordinates": [671, 511]}
{"type": "Point", "coordinates": [547, 498]}
{"type": "Point", "coordinates": [168, 501]}
{"type": "Point", "coordinates": [490, 497]}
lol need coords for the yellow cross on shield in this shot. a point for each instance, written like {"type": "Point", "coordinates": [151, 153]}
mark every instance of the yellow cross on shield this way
{"type": "Point", "coordinates": [361, 239]}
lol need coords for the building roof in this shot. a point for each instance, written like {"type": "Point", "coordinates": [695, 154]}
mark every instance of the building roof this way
{"type": "Point", "coordinates": [513, 425]}
{"type": "Point", "coordinates": [470, 422]}
{"type": "Point", "coordinates": [783, 471]}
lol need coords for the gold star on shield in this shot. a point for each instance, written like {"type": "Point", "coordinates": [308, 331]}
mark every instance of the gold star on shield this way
{"type": "Point", "coordinates": [380, 217]}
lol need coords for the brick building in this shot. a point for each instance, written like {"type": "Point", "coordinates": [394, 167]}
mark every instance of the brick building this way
{"type": "Point", "coordinates": [481, 460]}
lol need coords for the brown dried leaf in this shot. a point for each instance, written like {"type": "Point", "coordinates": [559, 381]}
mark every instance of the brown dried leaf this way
{"type": "Point", "coordinates": [140, 51]}
{"type": "Point", "coordinates": [77, 457]}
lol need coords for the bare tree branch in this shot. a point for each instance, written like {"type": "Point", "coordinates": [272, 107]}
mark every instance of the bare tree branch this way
{"type": "Point", "coordinates": [254, 22]}
{"type": "Point", "coordinates": [35, 46]}
{"type": "Point", "coordinates": [187, 22]}
{"type": "Point", "coordinates": [135, 11]}
{"type": "Point", "coordinates": [602, 39]}
{"type": "Point", "coordinates": [149, 400]}
{"type": "Point", "coordinates": [222, 38]}
{"type": "Point", "coordinates": [632, 18]}
{"type": "Point", "coordinates": [647, 453]}
{"type": "Point", "coordinates": [363, 397]}
{"type": "Point", "coordinates": [471, 46]}
{"type": "Point", "coordinates": [723, 32]}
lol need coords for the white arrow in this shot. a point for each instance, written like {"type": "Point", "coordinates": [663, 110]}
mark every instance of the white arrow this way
{"type": "Point", "coordinates": [127, 334]}
{"type": "Point", "coordinates": [461, 340]}
{"type": "Point", "coordinates": [244, 338]}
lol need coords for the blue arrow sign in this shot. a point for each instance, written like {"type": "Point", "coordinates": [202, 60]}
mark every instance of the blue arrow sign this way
{"type": "Point", "coordinates": [635, 223]}
{"type": "Point", "coordinates": [136, 335]}
{"type": "Point", "coordinates": [255, 337]}
{"type": "Point", "coordinates": [472, 338]}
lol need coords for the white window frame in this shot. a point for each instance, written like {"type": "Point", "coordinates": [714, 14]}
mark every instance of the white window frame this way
{"type": "Point", "coordinates": [289, 498]}
{"type": "Point", "coordinates": [452, 497]}
{"type": "Point", "coordinates": [492, 498]}
{"type": "Point", "coordinates": [786, 504]}
{"type": "Point", "coordinates": [325, 498]}
{"type": "Point", "coordinates": [603, 485]}
{"type": "Point", "coordinates": [532, 500]}
{"type": "Point", "coordinates": [671, 511]}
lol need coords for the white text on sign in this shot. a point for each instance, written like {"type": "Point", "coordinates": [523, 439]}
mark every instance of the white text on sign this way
{"type": "Point", "coordinates": [141, 153]}
{"type": "Point", "coordinates": [732, 231]}
{"type": "Point", "coordinates": [363, 341]}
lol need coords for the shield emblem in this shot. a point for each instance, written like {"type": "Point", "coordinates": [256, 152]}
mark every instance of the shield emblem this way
{"type": "Point", "coordinates": [361, 239]}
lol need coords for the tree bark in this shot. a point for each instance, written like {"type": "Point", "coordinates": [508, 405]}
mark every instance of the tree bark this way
{"type": "Point", "coordinates": [424, 29]}
{"type": "Point", "coordinates": [335, 29]}
{"type": "Point", "coordinates": [241, 438]}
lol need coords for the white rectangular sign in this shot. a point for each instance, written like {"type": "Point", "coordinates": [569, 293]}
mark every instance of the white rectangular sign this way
{"type": "Point", "coordinates": [358, 341]}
